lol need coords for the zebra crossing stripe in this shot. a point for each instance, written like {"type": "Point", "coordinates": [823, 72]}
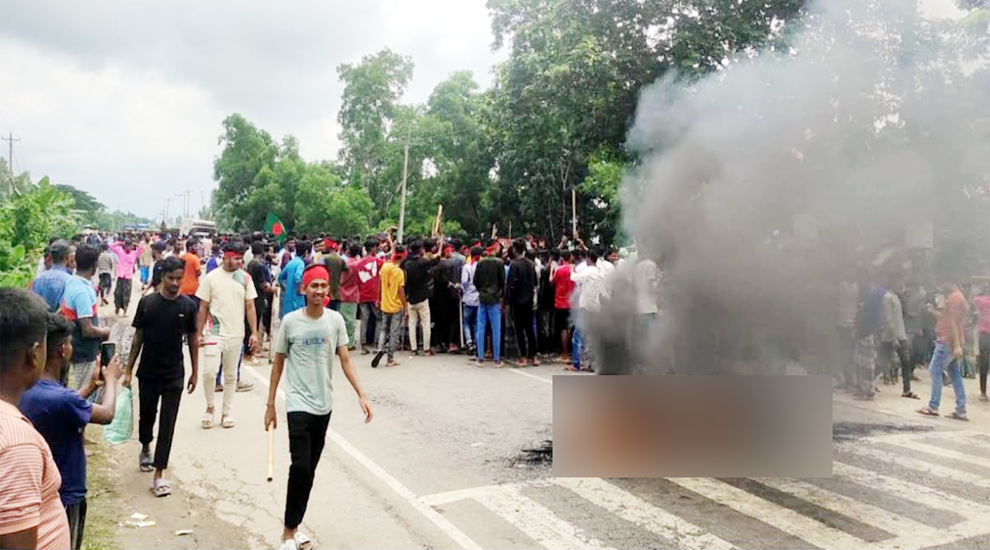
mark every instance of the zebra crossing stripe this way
{"type": "Point", "coordinates": [535, 520]}
{"type": "Point", "coordinates": [920, 465]}
{"type": "Point", "coordinates": [910, 533]}
{"type": "Point", "coordinates": [793, 523]}
{"type": "Point", "coordinates": [635, 510]}
{"type": "Point", "coordinates": [944, 453]}
{"type": "Point", "coordinates": [921, 494]}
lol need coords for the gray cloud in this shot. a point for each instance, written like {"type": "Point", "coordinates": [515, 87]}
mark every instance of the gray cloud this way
{"type": "Point", "coordinates": [124, 99]}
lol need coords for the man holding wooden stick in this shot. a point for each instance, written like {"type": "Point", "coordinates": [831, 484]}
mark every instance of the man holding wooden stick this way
{"type": "Point", "coordinates": [307, 342]}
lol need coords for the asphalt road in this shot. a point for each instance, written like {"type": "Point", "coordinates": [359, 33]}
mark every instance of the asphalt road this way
{"type": "Point", "coordinates": [444, 465]}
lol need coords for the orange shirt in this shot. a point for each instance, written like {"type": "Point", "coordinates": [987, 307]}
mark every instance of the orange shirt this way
{"type": "Point", "coordinates": [955, 310]}
{"type": "Point", "coordinates": [190, 278]}
{"type": "Point", "coordinates": [29, 482]}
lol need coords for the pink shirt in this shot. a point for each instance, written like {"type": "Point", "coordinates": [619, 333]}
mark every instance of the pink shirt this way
{"type": "Point", "coordinates": [982, 304]}
{"type": "Point", "coordinates": [125, 259]}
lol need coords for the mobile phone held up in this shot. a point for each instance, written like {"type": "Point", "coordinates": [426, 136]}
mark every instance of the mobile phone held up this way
{"type": "Point", "coordinates": [107, 351]}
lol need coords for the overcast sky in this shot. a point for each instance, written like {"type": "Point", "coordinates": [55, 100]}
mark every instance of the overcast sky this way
{"type": "Point", "coordinates": [125, 99]}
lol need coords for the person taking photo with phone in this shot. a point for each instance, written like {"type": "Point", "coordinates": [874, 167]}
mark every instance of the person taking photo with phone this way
{"type": "Point", "coordinates": [60, 415]}
{"type": "Point", "coordinates": [161, 321]}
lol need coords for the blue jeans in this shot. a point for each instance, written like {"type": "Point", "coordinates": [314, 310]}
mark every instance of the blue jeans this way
{"type": "Point", "coordinates": [943, 355]}
{"type": "Point", "coordinates": [577, 344]}
{"type": "Point", "coordinates": [220, 370]}
{"type": "Point", "coordinates": [470, 321]}
{"type": "Point", "coordinates": [489, 314]}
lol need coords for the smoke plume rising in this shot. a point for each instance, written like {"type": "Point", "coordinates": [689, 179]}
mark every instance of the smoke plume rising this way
{"type": "Point", "coordinates": [761, 187]}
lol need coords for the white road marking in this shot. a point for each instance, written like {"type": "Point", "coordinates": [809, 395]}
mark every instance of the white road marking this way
{"type": "Point", "coordinates": [944, 453]}
{"type": "Point", "coordinates": [932, 468]}
{"type": "Point", "coordinates": [635, 510]}
{"type": "Point", "coordinates": [441, 522]}
{"type": "Point", "coordinates": [535, 520]}
{"type": "Point", "coordinates": [771, 513]}
{"type": "Point", "coordinates": [914, 492]}
{"type": "Point", "coordinates": [439, 499]}
{"type": "Point", "coordinates": [910, 533]}
{"type": "Point", "coordinates": [540, 378]}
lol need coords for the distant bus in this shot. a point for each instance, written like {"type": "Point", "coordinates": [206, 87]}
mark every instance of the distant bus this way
{"type": "Point", "coordinates": [192, 226]}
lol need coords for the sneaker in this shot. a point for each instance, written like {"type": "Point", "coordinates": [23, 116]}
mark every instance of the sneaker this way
{"type": "Point", "coordinates": [289, 544]}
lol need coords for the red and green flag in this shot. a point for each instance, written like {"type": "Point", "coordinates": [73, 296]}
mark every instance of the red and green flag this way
{"type": "Point", "coordinates": [274, 226]}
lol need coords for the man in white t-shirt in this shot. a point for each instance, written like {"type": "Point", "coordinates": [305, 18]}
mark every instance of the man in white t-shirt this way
{"type": "Point", "coordinates": [226, 297]}
{"type": "Point", "coordinates": [307, 341]}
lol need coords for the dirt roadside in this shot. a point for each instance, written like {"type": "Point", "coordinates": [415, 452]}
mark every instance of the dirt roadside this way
{"type": "Point", "coordinates": [118, 489]}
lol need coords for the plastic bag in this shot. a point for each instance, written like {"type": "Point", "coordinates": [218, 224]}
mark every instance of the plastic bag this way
{"type": "Point", "coordinates": [120, 429]}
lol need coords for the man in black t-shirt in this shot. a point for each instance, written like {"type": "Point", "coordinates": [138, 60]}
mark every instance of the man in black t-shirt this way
{"type": "Point", "coordinates": [419, 288]}
{"type": "Point", "coordinates": [162, 320]}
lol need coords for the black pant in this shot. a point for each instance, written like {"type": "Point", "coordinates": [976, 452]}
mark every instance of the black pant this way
{"type": "Point", "coordinates": [106, 280]}
{"type": "Point", "coordinates": [447, 323]}
{"type": "Point", "coordinates": [522, 324]}
{"type": "Point", "coordinates": [266, 319]}
{"type": "Point", "coordinates": [150, 392]}
{"type": "Point", "coordinates": [984, 360]}
{"type": "Point", "coordinates": [77, 523]}
{"type": "Point", "coordinates": [307, 436]}
{"type": "Point", "coordinates": [886, 357]}
{"type": "Point", "coordinates": [122, 296]}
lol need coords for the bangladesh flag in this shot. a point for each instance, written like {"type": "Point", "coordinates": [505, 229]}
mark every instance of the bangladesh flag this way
{"type": "Point", "coordinates": [275, 227]}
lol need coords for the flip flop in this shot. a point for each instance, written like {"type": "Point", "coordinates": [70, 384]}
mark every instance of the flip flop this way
{"type": "Point", "coordinates": [161, 487]}
{"type": "Point", "coordinates": [956, 416]}
{"type": "Point", "coordinates": [145, 462]}
{"type": "Point", "coordinates": [302, 541]}
{"type": "Point", "coordinates": [910, 395]}
{"type": "Point", "coordinates": [927, 412]}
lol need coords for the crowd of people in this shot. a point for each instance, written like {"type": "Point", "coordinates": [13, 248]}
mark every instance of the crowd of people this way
{"type": "Point", "coordinates": [216, 296]}
{"type": "Point", "coordinates": [306, 300]}
{"type": "Point", "coordinates": [888, 328]}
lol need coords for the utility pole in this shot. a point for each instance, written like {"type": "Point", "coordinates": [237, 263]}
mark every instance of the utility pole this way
{"type": "Point", "coordinates": [10, 139]}
{"type": "Point", "coordinates": [574, 212]}
{"type": "Point", "coordinates": [402, 200]}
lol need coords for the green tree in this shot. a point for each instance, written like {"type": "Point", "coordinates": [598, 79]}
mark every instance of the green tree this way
{"type": "Point", "coordinates": [246, 151]}
{"type": "Point", "coordinates": [88, 207]}
{"type": "Point", "coordinates": [27, 220]}
{"type": "Point", "coordinates": [369, 110]}
{"type": "Point", "coordinates": [326, 204]}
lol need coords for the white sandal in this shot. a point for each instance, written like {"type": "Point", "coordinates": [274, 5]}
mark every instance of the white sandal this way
{"type": "Point", "coordinates": [207, 421]}
{"type": "Point", "coordinates": [227, 422]}
{"type": "Point", "coordinates": [302, 541]}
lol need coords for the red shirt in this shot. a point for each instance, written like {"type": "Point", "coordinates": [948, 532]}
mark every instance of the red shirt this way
{"type": "Point", "coordinates": [562, 287]}
{"type": "Point", "coordinates": [369, 285]}
{"type": "Point", "coordinates": [350, 289]}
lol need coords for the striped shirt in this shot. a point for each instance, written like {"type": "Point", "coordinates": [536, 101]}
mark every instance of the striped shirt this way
{"type": "Point", "coordinates": [29, 482]}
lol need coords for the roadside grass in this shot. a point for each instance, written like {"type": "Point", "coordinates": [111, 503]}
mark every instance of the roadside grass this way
{"type": "Point", "coordinates": [102, 500]}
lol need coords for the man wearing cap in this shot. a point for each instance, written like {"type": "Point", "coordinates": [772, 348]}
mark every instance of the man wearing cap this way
{"type": "Point", "coordinates": [226, 296]}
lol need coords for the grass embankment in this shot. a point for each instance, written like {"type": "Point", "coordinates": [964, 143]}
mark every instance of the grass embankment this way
{"type": "Point", "coordinates": [102, 500]}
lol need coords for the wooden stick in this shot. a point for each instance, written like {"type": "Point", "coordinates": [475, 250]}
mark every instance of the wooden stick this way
{"type": "Point", "coordinates": [271, 453]}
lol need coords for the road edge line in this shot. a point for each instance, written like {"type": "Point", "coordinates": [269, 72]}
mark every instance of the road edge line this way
{"type": "Point", "coordinates": [429, 513]}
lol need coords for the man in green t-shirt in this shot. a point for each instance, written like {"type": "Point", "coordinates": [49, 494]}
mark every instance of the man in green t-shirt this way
{"type": "Point", "coordinates": [307, 342]}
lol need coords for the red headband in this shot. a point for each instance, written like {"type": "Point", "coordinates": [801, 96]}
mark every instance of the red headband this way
{"type": "Point", "coordinates": [448, 247]}
{"type": "Point", "coordinates": [314, 273]}
{"type": "Point", "coordinates": [232, 254]}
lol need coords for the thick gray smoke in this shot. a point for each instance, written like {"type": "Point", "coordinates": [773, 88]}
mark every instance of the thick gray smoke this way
{"type": "Point", "coordinates": [763, 186]}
